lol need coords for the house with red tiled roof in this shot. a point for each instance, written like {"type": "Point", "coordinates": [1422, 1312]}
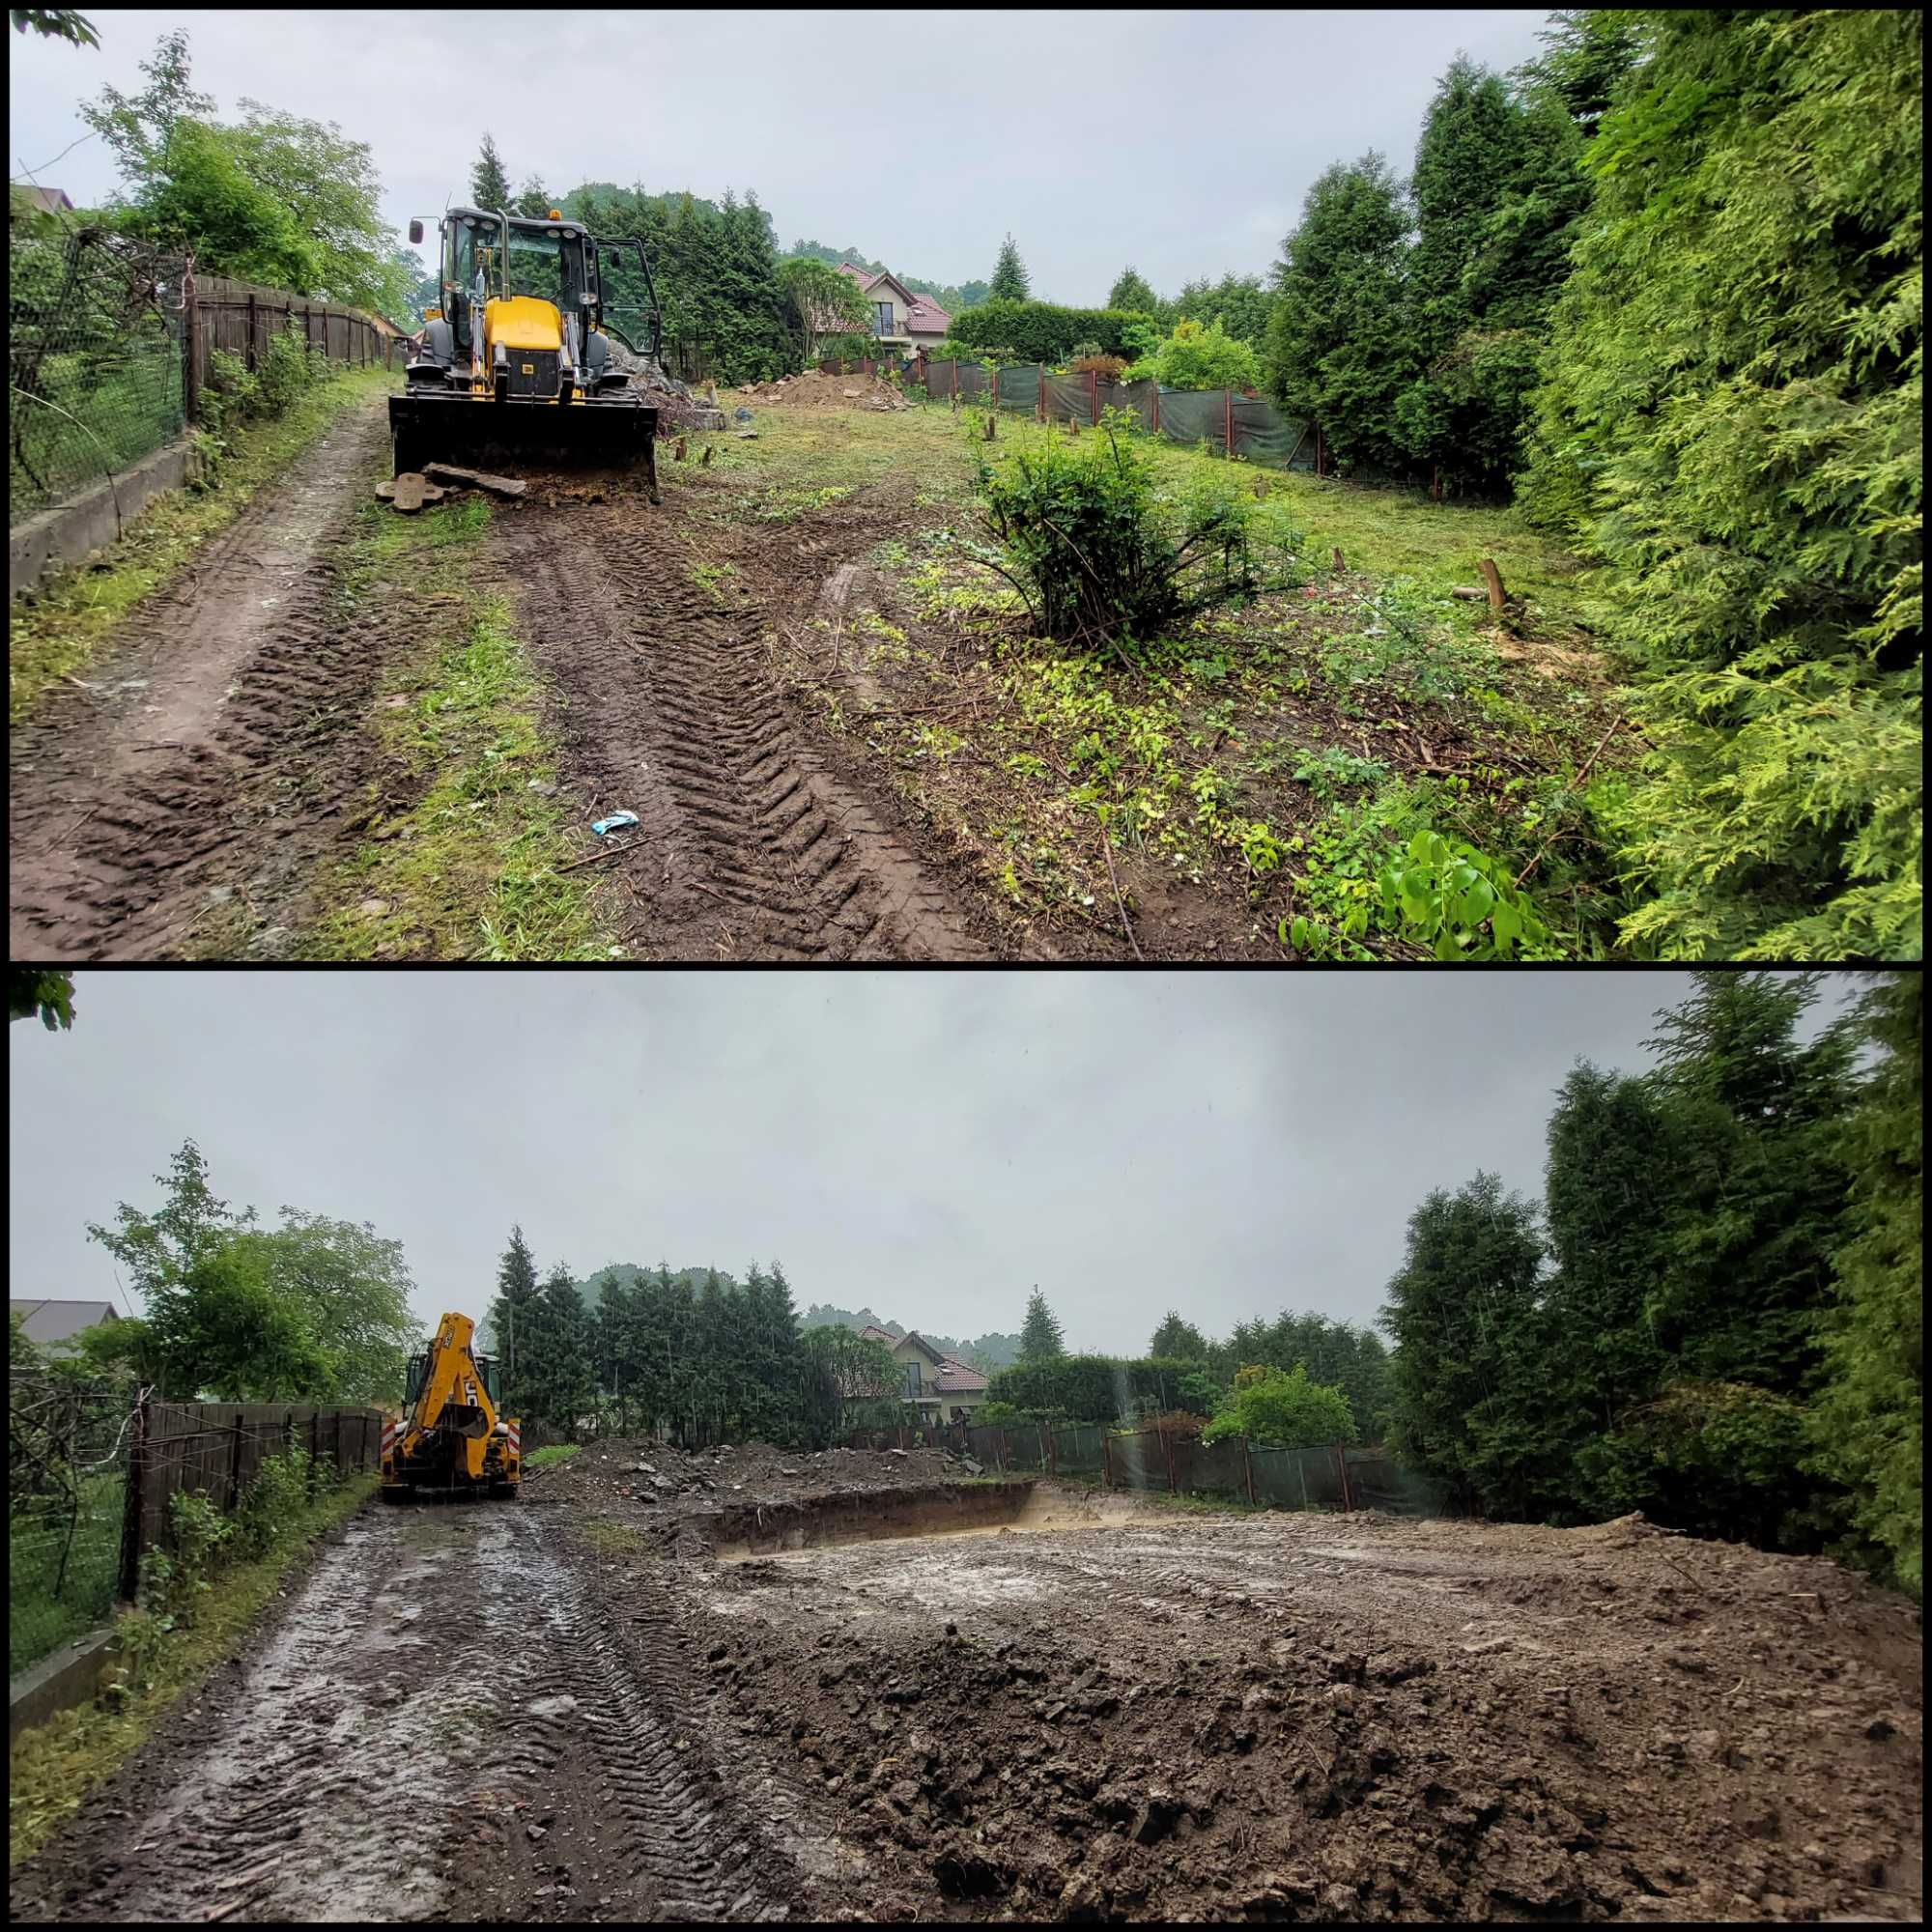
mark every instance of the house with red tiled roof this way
{"type": "Point", "coordinates": [939, 1385]}
{"type": "Point", "coordinates": [901, 321]}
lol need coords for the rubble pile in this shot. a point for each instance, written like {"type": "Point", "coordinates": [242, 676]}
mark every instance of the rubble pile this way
{"type": "Point", "coordinates": [815, 389]}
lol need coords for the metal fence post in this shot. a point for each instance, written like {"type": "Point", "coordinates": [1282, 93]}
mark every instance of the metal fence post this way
{"type": "Point", "coordinates": [1157, 409]}
{"type": "Point", "coordinates": [1106, 1458]}
{"type": "Point", "coordinates": [235, 1469]}
{"type": "Point", "coordinates": [1248, 1468]}
{"type": "Point", "coordinates": [190, 345]}
{"type": "Point", "coordinates": [1228, 404]}
{"type": "Point", "coordinates": [131, 1513]}
{"type": "Point", "coordinates": [1094, 397]}
{"type": "Point", "coordinates": [1043, 392]}
{"type": "Point", "coordinates": [251, 331]}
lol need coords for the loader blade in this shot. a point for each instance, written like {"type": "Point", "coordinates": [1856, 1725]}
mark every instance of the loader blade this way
{"type": "Point", "coordinates": [486, 434]}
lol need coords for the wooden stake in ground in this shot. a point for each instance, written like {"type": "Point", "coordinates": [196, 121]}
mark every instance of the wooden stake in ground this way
{"type": "Point", "coordinates": [704, 461]}
{"type": "Point", "coordinates": [991, 424]}
{"type": "Point", "coordinates": [679, 451]}
{"type": "Point", "coordinates": [1494, 578]}
{"type": "Point", "coordinates": [1339, 566]}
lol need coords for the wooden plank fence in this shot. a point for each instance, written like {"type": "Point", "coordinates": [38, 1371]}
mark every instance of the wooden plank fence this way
{"type": "Point", "coordinates": [242, 319]}
{"type": "Point", "coordinates": [217, 1448]}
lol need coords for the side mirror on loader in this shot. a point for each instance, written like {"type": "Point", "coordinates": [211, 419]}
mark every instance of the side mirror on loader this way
{"type": "Point", "coordinates": [415, 231]}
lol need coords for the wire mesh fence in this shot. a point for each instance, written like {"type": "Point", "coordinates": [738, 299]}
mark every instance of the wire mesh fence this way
{"type": "Point", "coordinates": [111, 348]}
{"type": "Point", "coordinates": [91, 1469]}
{"type": "Point", "coordinates": [68, 1447]}
{"type": "Point", "coordinates": [1227, 422]}
{"type": "Point", "coordinates": [1165, 1460]}
{"type": "Point", "coordinates": [95, 374]}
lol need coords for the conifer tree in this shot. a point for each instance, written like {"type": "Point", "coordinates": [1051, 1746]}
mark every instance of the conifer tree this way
{"type": "Point", "coordinates": [1010, 277]}
{"type": "Point", "coordinates": [1039, 1333]}
{"type": "Point", "coordinates": [1132, 289]}
{"type": "Point", "coordinates": [488, 183]}
{"type": "Point", "coordinates": [512, 1318]}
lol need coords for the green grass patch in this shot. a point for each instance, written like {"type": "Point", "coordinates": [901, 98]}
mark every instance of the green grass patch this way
{"type": "Point", "coordinates": [58, 633]}
{"type": "Point", "coordinates": [54, 1766]}
{"type": "Point", "coordinates": [613, 1539]}
{"type": "Point", "coordinates": [470, 870]}
{"type": "Point", "coordinates": [551, 1455]}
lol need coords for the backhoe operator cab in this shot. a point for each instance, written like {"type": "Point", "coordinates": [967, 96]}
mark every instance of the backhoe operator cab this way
{"type": "Point", "coordinates": [524, 326]}
{"type": "Point", "coordinates": [451, 1433]}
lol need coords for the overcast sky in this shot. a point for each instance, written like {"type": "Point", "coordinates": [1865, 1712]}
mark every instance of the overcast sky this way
{"type": "Point", "coordinates": [928, 1144]}
{"type": "Point", "coordinates": [1183, 142]}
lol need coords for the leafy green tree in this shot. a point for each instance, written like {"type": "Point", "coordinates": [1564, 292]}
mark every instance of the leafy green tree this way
{"type": "Point", "coordinates": [354, 1287]}
{"type": "Point", "coordinates": [1870, 1420]}
{"type": "Point", "coordinates": [37, 990]}
{"type": "Point", "coordinates": [1010, 276]}
{"type": "Point", "coordinates": [1039, 1332]}
{"type": "Point", "coordinates": [1195, 357]}
{"type": "Point", "coordinates": [1132, 289]}
{"type": "Point", "coordinates": [1729, 424]}
{"type": "Point", "coordinates": [1284, 1408]}
{"type": "Point", "coordinates": [55, 24]}
{"type": "Point", "coordinates": [824, 301]}
{"type": "Point", "coordinates": [136, 128]}
{"type": "Point", "coordinates": [488, 180]}
{"type": "Point", "coordinates": [1340, 347]}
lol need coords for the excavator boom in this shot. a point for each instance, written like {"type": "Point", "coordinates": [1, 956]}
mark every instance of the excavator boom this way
{"type": "Point", "coordinates": [450, 1434]}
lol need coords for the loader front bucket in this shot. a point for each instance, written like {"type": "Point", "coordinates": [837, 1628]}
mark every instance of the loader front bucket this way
{"type": "Point", "coordinates": [481, 433]}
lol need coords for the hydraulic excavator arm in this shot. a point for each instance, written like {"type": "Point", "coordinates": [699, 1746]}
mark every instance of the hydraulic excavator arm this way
{"type": "Point", "coordinates": [450, 1435]}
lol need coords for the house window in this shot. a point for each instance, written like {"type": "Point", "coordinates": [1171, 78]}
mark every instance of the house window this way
{"type": "Point", "coordinates": [912, 1380]}
{"type": "Point", "coordinates": [883, 325]}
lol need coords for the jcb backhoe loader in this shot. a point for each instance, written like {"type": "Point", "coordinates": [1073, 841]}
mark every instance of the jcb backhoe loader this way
{"type": "Point", "coordinates": [451, 1436]}
{"type": "Point", "coordinates": [516, 363]}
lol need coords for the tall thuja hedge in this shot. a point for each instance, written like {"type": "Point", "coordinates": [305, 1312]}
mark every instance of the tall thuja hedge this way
{"type": "Point", "coordinates": [1730, 424]}
{"type": "Point", "coordinates": [1096, 1388]}
{"type": "Point", "coordinates": [1340, 348]}
{"type": "Point", "coordinates": [1036, 331]}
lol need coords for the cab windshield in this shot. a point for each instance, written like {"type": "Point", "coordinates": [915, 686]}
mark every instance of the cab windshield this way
{"type": "Point", "coordinates": [537, 266]}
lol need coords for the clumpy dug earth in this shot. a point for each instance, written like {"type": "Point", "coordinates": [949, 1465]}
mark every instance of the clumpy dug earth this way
{"type": "Point", "coordinates": [815, 389]}
{"type": "Point", "coordinates": [1343, 1717]}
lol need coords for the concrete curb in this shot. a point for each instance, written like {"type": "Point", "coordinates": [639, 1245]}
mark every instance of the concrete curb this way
{"type": "Point", "coordinates": [71, 1676]}
{"type": "Point", "coordinates": [69, 533]}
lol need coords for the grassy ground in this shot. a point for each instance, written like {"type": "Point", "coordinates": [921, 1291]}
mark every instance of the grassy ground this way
{"type": "Point", "coordinates": [554, 1452]}
{"type": "Point", "coordinates": [55, 635]}
{"type": "Point", "coordinates": [55, 1765]}
{"type": "Point", "coordinates": [1274, 759]}
{"type": "Point", "coordinates": [39, 1618]}
{"type": "Point", "coordinates": [462, 861]}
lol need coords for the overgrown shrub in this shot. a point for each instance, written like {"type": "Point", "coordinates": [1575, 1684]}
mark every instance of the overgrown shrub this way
{"type": "Point", "coordinates": [283, 1488]}
{"type": "Point", "coordinates": [1283, 1407]}
{"type": "Point", "coordinates": [1198, 356]}
{"type": "Point", "coordinates": [1098, 555]}
{"type": "Point", "coordinates": [1109, 368]}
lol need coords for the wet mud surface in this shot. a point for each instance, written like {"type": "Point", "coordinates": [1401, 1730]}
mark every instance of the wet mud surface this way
{"type": "Point", "coordinates": [200, 759]}
{"type": "Point", "coordinates": [634, 1699]}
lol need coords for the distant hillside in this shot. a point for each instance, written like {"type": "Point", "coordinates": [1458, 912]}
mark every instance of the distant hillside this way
{"type": "Point", "coordinates": [988, 1352]}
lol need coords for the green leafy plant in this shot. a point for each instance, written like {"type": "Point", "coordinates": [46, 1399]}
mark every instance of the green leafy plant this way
{"type": "Point", "coordinates": [1098, 555]}
{"type": "Point", "coordinates": [1284, 1408]}
{"type": "Point", "coordinates": [1461, 902]}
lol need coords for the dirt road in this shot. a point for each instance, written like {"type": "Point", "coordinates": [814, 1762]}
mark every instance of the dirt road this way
{"type": "Point", "coordinates": [206, 764]}
{"type": "Point", "coordinates": [695, 1689]}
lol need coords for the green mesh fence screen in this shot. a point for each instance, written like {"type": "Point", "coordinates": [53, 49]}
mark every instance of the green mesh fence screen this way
{"type": "Point", "coordinates": [1215, 1468]}
{"type": "Point", "coordinates": [1377, 1481]}
{"type": "Point", "coordinates": [1297, 1478]}
{"type": "Point", "coordinates": [1078, 1451]}
{"type": "Point", "coordinates": [938, 381]}
{"type": "Point", "coordinates": [1138, 1463]}
{"type": "Point", "coordinates": [1019, 388]}
{"type": "Point", "coordinates": [1139, 397]}
{"type": "Point", "coordinates": [1068, 399]}
{"type": "Point", "coordinates": [1186, 415]}
{"type": "Point", "coordinates": [1264, 437]}
{"type": "Point", "coordinates": [973, 380]}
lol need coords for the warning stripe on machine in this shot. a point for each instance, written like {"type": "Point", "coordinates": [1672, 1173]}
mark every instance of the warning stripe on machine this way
{"type": "Point", "coordinates": [516, 1441]}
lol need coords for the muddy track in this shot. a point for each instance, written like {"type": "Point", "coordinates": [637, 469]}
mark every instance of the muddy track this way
{"type": "Point", "coordinates": [751, 847]}
{"type": "Point", "coordinates": [443, 1680]}
{"type": "Point", "coordinates": [194, 764]}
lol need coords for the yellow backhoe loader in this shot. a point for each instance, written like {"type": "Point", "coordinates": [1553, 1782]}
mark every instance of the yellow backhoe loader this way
{"type": "Point", "coordinates": [515, 363]}
{"type": "Point", "coordinates": [450, 1435]}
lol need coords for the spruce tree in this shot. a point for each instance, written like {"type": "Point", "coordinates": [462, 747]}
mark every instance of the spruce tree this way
{"type": "Point", "coordinates": [1039, 1333]}
{"type": "Point", "coordinates": [562, 1367]}
{"type": "Point", "coordinates": [489, 184]}
{"type": "Point", "coordinates": [1132, 289]}
{"type": "Point", "coordinates": [531, 201]}
{"type": "Point", "coordinates": [1178, 1339]}
{"type": "Point", "coordinates": [1010, 277]}
{"type": "Point", "coordinates": [513, 1319]}
{"type": "Point", "coordinates": [1340, 348]}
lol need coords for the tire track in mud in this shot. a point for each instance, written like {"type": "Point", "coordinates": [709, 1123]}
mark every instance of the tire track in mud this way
{"type": "Point", "coordinates": [441, 1677]}
{"type": "Point", "coordinates": [196, 754]}
{"type": "Point", "coordinates": [755, 849]}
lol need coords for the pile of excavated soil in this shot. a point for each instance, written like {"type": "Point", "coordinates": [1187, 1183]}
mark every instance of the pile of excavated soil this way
{"type": "Point", "coordinates": [641, 1471]}
{"type": "Point", "coordinates": [814, 389]}
{"type": "Point", "coordinates": [1343, 1717]}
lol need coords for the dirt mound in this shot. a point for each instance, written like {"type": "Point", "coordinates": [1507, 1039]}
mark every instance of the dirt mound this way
{"type": "Point", "coordinates": [815, 389]}
{"type": "Point", "coordinates": [1308, 1717]}
{"type": "Point", "coordinates": [641, 1470]}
